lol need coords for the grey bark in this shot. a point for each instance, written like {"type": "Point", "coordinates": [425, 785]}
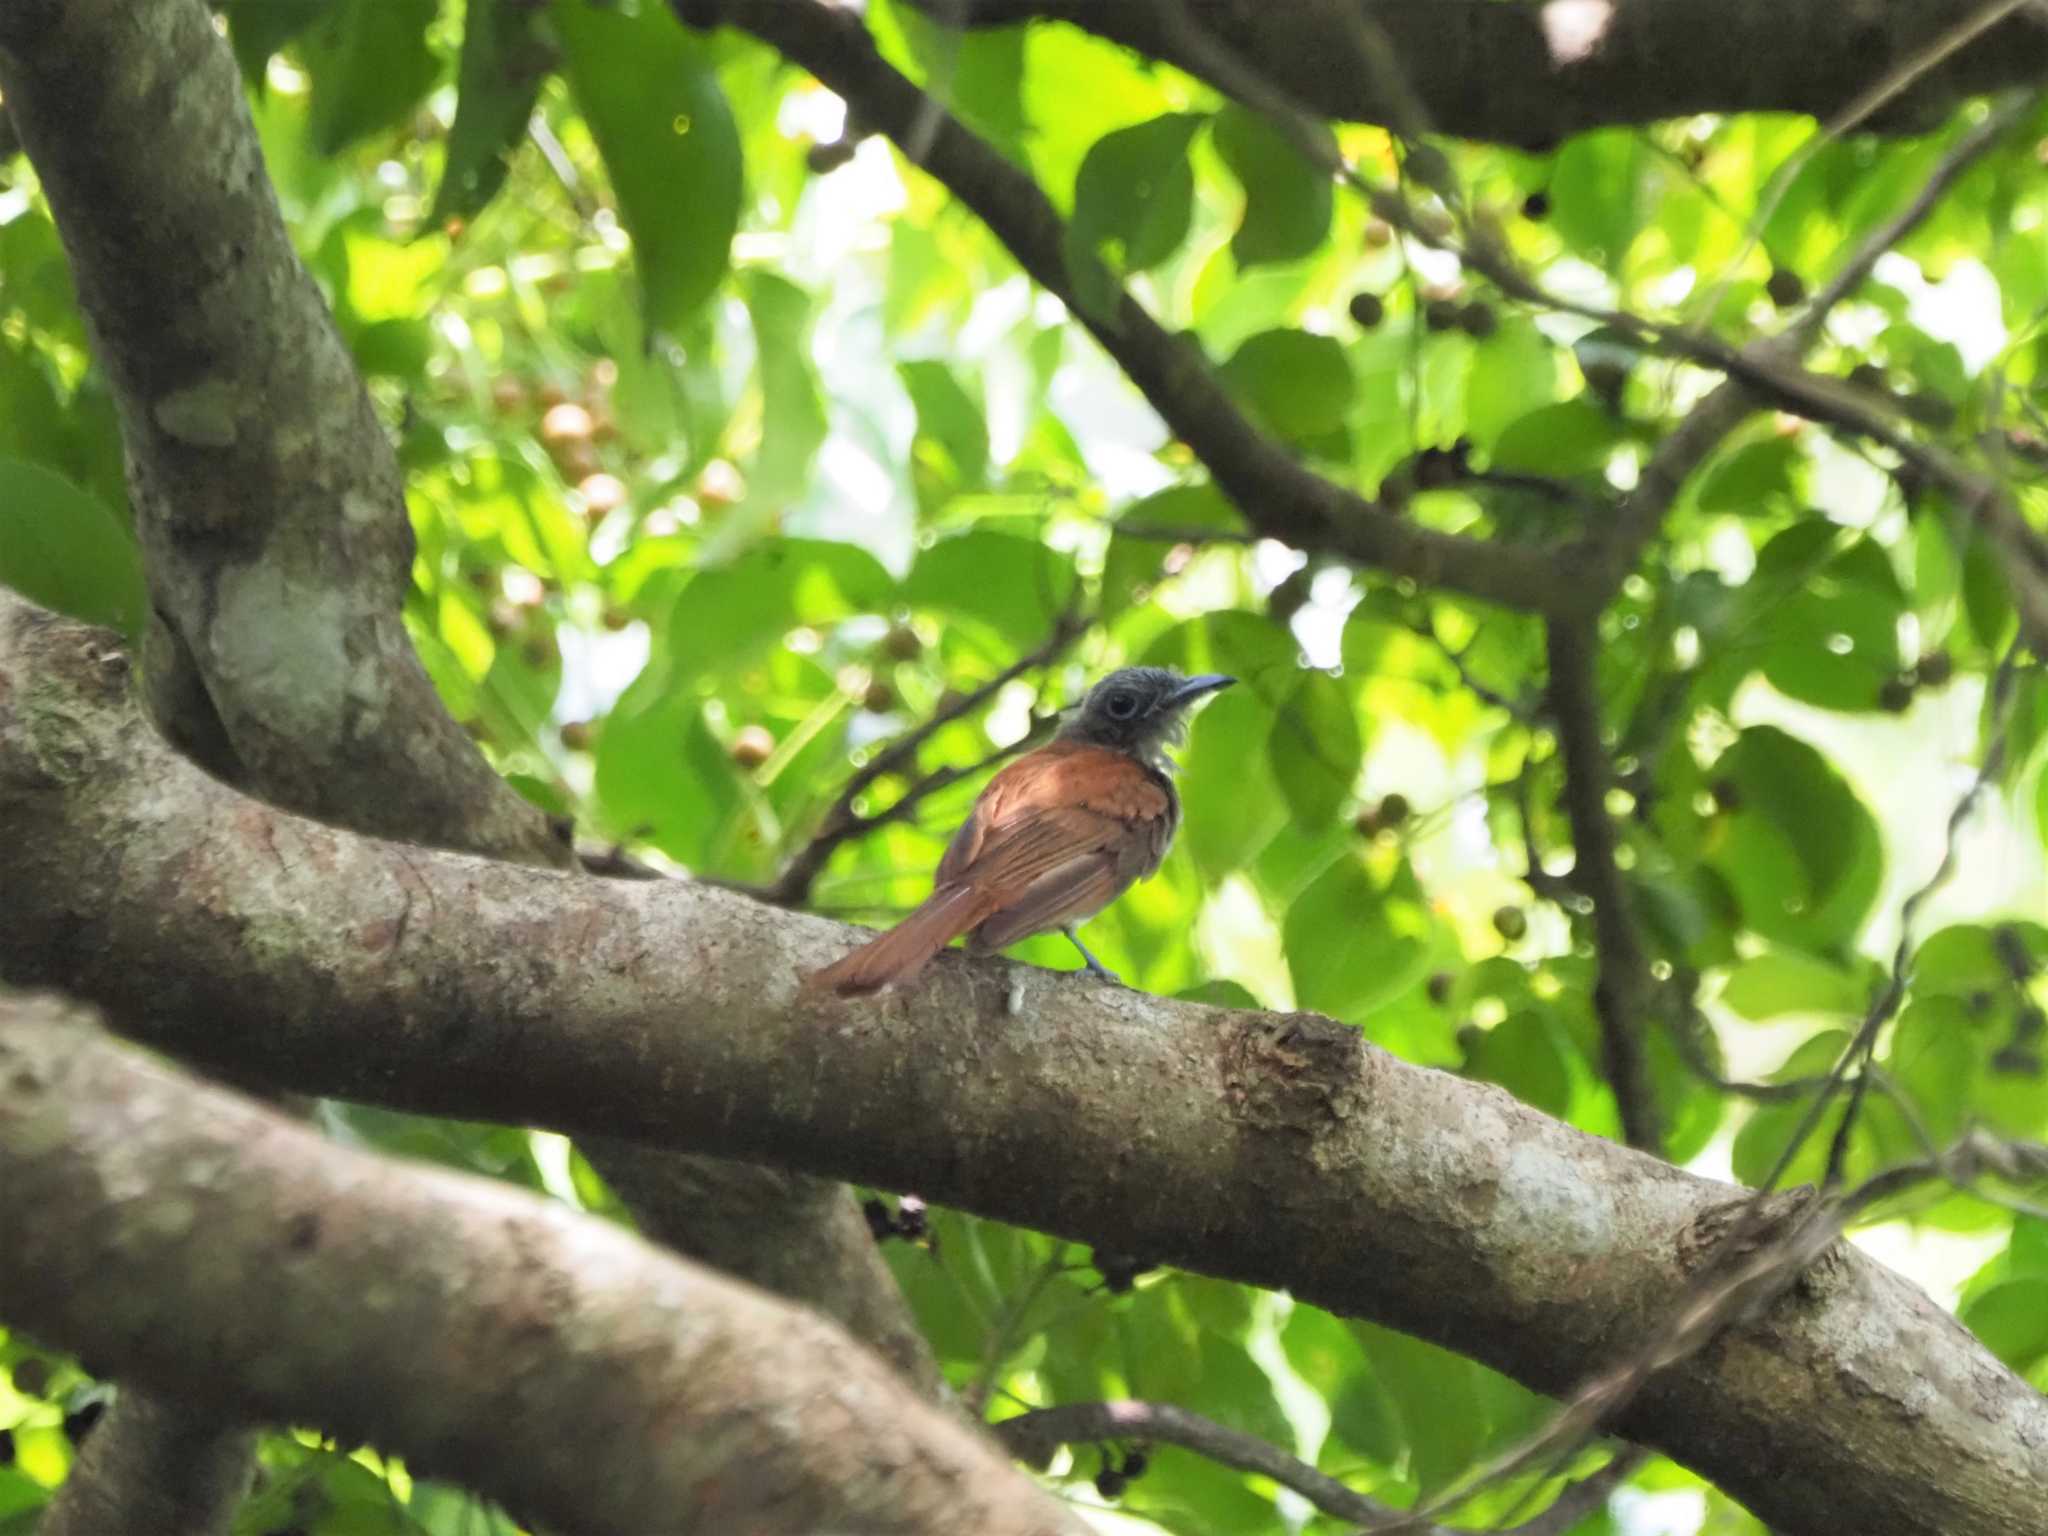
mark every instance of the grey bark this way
{"type": "Point", "coordinates": [197, 1241]}
{"type": "Point", "coordinates": [1485, 69]}
{"type": "Point", "coordinates": [271, 510]}
{"type": "Point", "coordinates": [1276, 1149]}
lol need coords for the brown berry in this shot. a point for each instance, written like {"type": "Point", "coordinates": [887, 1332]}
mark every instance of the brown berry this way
{"type": "Point", "coordinates": [878, 698]}
{"type": "Point", "coordinates": [1536, 205]}
{"type": "Point", "coordinates": [902, 643]}
{"type": "Point", "coordinates": [508, 395]}
{"type": "Point", "coordinates": [1511, 923]}
{"type": "Point", "coordinates": [1785, 287]}
{"type": "Point", "coordinates": [550, 394]}
{"type": "Point", "coordinates": [576, 735]}
{"type": "Point", "coordinates": [602, 494]}
{"type": "Point", "coordinates": [1378, 234]}
{"type": "Point", "coordinates": [565, 423]}
{"type": "Point", "coordinates": [753, 746]}
{"type": "Point", "coordinates": [1896, 696]}
{"type": "Point", "coordinates": [1439, 988]}
{"type": "Point", "coordinates": [1368, 309]}
{"type": "Point", "coordinates": [720, 484]}
{"type": "Point", "coordinates": [1935, 669]}
{"type": "Point", "coordinates": [1440, 314]}
{"type": "Point", "coordinates": [1479, 320]}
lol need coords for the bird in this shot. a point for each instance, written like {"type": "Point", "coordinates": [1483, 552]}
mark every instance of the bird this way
{"type": "Point", "coordinates": [1054, 837]}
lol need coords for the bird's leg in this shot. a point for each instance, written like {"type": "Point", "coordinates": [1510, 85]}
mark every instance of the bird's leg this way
{"type": "Point", "coordinates": [1095, 967]}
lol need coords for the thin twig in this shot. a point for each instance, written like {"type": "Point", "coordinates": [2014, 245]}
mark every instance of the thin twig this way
{"type": "Point", "coordinates": [1032, 1437]}
{"type": "Point", "coordinates": [1624, 995]}
{"type": "Point", "coordinates": [842, 823]}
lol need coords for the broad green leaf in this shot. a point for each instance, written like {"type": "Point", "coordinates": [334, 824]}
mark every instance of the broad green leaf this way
{"type": "Point", "coordinates": [647, 89]}
{"type": "Point", "coordinates": [2012, 1320]}
{"type": "Point", "coordinates": [727, 613]}
{"type": "Point", "coordinates": [1754, 479]}
{"type": "Point", "coordinates": [1133, 198]}
{"type": "Point", "coordinates": [1231, 806]}
{"type": "Point", "coordinates": [793, 411]}
{"type": "Point", "coordinates": [950, 420]}
{"type": "Point", "coordinates": [1354, 940]}
{"type": "Point", "coordinates": [504, 59]}
{"type": "Point", "coordinates": [1834, 642]}
{"type": "Point", "coordinates": [1316, 749]}
{"type": "Point", "coordinates": [1018, 587]}
{"type": "Point", "coordinates": [1802, 853]}
{"type": "Point", "coordinates": [1287, 200]}
{"type": "Point", "coordinates": [1595, 193]}
{"type": "Point", "coordinates": [1297, 385]}
{"type": "Point", "coordinates": [1568, 438]}
{"type": "Point", "coordinates": [1782, 981]}
{"type": "Point", "coordinates": [64, 549]}
{"type": "Point", "coordinates": [370, 65]}
{"type": "Point", "coordinates": [259, 28]}
{"type": "Point", "coordinates": [1527, 1055]}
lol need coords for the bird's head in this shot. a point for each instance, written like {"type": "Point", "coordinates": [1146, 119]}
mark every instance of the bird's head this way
{"type": "Point", "coordinates": [1140, 710]}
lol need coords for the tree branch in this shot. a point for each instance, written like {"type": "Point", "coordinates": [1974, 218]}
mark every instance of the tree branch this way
{"type": "Point", "coordinates": [1278, 495]}
{"type": "Point", "coordinates": [278, 546]}
{"type": "Point", "coordinates": [1278, 1149]}
{"type": "Point", "coordinates": [197, 1242]}
{"type": "Point", "coordinates": [1645, 62]}
{"type": "Point", "coordinates": [1624, 997]}
{"type": "Point", "coordinates": [1034, 1436]}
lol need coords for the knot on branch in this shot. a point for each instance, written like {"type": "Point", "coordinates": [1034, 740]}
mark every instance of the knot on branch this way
{"type": "Point", "coordinates": [1294, 1072]}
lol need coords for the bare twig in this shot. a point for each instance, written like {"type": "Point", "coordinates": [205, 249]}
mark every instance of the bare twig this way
{"type": "Point", "coordinates": [1033, 1437]}
{"type": "Point", "coordinates": [842, 823]}
{"type": "Point", "coordinates": [1625, 994]}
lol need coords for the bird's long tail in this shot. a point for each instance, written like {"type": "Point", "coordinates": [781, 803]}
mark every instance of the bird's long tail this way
{"type": "Point", "coordinates": [904, 950]}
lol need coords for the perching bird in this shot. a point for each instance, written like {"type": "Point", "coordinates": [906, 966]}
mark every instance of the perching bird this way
{"type": "Point", "coordinates": [1055, 837]}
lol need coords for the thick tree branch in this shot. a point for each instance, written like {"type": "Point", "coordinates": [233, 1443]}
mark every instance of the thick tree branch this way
{"type": "Point", "coordinates": [1274, 1149]}
{"type": "Point", "coordinates": [268, 499]}
{"type": "Point", "coordinates": [1278, 495]}
{"type": "Point", "coordinates": [153, 1465]}
{"type": "Point", "coordinates": [278, 546]}
{"type": "Point", "coordinates": [195, 1241]}
{"type": "Point", "coordinates": [1483, 70]}
{"type": "Point", "coordinates": [1624, 996]}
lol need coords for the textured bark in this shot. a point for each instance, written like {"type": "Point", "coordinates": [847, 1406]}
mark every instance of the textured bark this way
{"type": "Point", "coordinates": [1280, 1150]}
{"type": "Point", "coordinates": [1517, 74]}
{"type": "Point", "coordinates": [153, 1467]}
{"type": "Point", "coordinates": [267, 497]}
{"type": "Point", "coordinates": [193, 1239]}
{"type": "Point", "coordinates": [278, 549]}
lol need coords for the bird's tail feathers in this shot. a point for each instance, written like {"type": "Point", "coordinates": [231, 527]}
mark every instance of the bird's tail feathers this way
{"type": "Point", "coordinates": [899, 954]}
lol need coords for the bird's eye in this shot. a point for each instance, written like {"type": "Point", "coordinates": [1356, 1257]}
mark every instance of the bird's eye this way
{"type": "Point", "coordinates": [1120, 706]}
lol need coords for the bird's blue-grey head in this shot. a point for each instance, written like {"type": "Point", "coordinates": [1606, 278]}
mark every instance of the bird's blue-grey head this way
{"type": "Point", "coordinates": [1140, 710]}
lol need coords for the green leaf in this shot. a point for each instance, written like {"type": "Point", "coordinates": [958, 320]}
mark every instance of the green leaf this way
{"type": "Point", "coordinates": [1595, 193]}
{"type": "Point", "coordinates": [2012, 1321]}
{"type": "Point", "coordinates": [369, 64]}
{"type": "Point", "coordinates": [1756, 478]}
{"type": "Point", "coordinates": [1230, 805]}
{"type": "Point", "coordinates": [504, 59]}
{"type": "Point", "coordinates": [1316, 749]}
{"type": "Point", "coordinates": [1801, 853]}
{"type": "Point", "coordinates": [1018, 587]}
{"type": "Point", "coordinates": [1287, 200]}
{"type": "Point", "coordinates": [64, 549]}
{"type": "Point", "coordinates": [1783, 981]}
{"type": "Point", "coordinates": [1834, 642]}
{"type": "Point", "coordinates": [1353, 940]}
{"type": "Point", "coordinates": [1298, 386]}
{"type": "Point", "coordinates": [1133, 199]}
{"type": "Point", "coordinates": [647, 89]}
{"type": "Point", "coordinates": [1514, 372]}
{"type": "Point", "coordinates": [793, 412]}
{"type": "Point", "coordinates": [259, 28]}
{"type": "Point", "coordinates": [728, 613]}
{"type": "Point", "coordinates": [1568, 438]}
{"type": "Point", "coordinates": [1529, 1056]}
{"type": "Point", "coordinates": [949, 419]}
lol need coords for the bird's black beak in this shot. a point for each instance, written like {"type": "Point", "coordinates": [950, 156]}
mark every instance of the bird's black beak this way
{"type": "Point", "coordinates": [1195, 687]}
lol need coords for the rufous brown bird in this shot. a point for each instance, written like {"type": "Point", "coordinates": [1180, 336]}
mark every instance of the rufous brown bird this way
{"type": "Point", "coordinates": [1055, 837]}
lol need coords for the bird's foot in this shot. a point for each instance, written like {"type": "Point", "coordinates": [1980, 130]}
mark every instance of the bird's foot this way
{"type": "Point", "coordinates": [1093, 966]}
